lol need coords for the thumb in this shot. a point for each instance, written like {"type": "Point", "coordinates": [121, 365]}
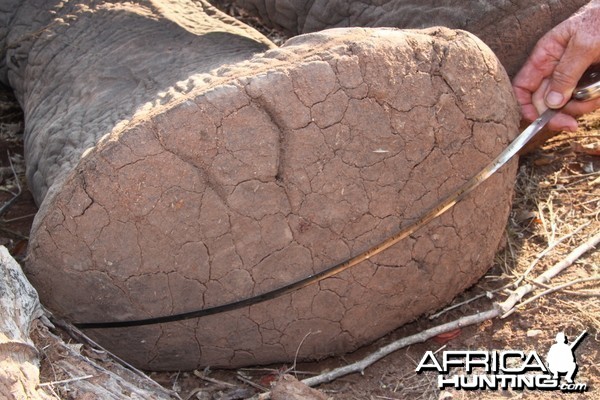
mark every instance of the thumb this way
{"type": "Point", "coordinates": [565, 77]}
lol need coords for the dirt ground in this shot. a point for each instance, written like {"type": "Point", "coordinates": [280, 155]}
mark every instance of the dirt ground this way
{"type": "Point", "coordinates": [557, 193]}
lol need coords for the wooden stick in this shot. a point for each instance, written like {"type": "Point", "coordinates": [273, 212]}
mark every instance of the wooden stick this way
{"type": "Point", "coordinates": [65, 381]}
{"type": "Point", "coordinates": [80, 337]}
{"type": "Point", "coordinates": [361, 365]}
{"type": "Point", "coordinates": [10, 202]}
{"type": "Point", "coordinates": [557, 288]}
{"type": "Point", "coordinates": [215, 381]}
{"type": "Point", "coordinates": [488, 293]}
{"type": "Point", "coordinates": [248, 381]}
{"type": "Point", "coordinates": [581, 292]}
{"type": "Point", "coordinates": [293, 367]}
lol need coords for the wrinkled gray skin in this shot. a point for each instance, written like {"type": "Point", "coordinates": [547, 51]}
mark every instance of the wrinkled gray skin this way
{"type": "Point", "coordinates": [162, 63]}
{"type": "Point", "coordinates": [509, 28]}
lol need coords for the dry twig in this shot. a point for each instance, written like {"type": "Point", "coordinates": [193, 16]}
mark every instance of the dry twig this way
{"type": "Point", "coordinates": [213, 380]}
{"type": "Point", "coordinates": [65, 381]}
{"type": "Point", "coordinates": [361, 365]}
{"type": "Point", "coordinates": [248, 381]}
{"type": "Point", "coordinates": [293, 367]}
{"type": "Point", "coordinates": [488, 293]}
{"type": "Point", "coordinates": [557, 288]}
{"type": "Point", "coordinates": [582, 292]}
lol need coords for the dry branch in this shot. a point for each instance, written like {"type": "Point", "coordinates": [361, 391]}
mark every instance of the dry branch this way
{"type": "Point", "coordinates": [81, 337]}
{"type": "Point", "coordinates": [217, 382]}
{"type": "Point", "coordinates": [557, 288]}
{"type": "Point", "coordinates": [65, 381]}
{"type": "Point", "coordinates": [489, 294]}
{"type": "Point", "coordinates": [581, 292]}
{"type": "Point", "coordinates": [16, 195]}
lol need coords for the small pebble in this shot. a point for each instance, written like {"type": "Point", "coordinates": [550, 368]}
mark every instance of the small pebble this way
{"type": "Point", "coordinates": [534, 333]}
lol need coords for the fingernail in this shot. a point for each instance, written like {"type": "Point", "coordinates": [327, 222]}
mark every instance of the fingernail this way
{"type": "Point", "coordinates": [554, 99]}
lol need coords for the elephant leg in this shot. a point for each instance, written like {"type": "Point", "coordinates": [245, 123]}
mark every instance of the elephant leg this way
{"type": "Point", "coordinates": [179, 168]}
{"type": "Point", "coordinates": [509, 28]}
{"type": "Point", "coordinates": [80, 68]}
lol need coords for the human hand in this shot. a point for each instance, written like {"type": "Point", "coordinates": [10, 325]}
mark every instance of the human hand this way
{"type": "Point", "coordinates": [559, 59]}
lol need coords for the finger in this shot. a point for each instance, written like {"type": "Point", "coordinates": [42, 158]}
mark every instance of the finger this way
{"type": "Point", "coordinates": [567, 73]}
{"type": "Point", "coordinates": [538, 97]}
{"type": "Point", "coordinates": [563, 122]}
{"type": "Point", "coordinates": [540, 63]}
{"type": "Point", "coordinates": [526, 87]}
{"type": "Point", "coordinates": [561, 87]}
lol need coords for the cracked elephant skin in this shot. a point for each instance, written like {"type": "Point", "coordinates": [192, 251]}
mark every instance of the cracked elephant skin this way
{"type": "Point", "coordinates": [509, 27]}
{"type": "Point", "coordinates": [181, 161]}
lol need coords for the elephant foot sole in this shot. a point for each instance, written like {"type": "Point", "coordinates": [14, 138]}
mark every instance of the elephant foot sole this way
{"type": "Point", "coordinates": [270, 171]}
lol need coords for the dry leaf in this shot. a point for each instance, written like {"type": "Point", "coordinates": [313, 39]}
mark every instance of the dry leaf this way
{"type": "Point", "coordinates": [445, 337]}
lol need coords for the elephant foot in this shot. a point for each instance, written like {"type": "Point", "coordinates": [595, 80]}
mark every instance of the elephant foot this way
{"type": "Point", "coordinates": [270, 171]}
